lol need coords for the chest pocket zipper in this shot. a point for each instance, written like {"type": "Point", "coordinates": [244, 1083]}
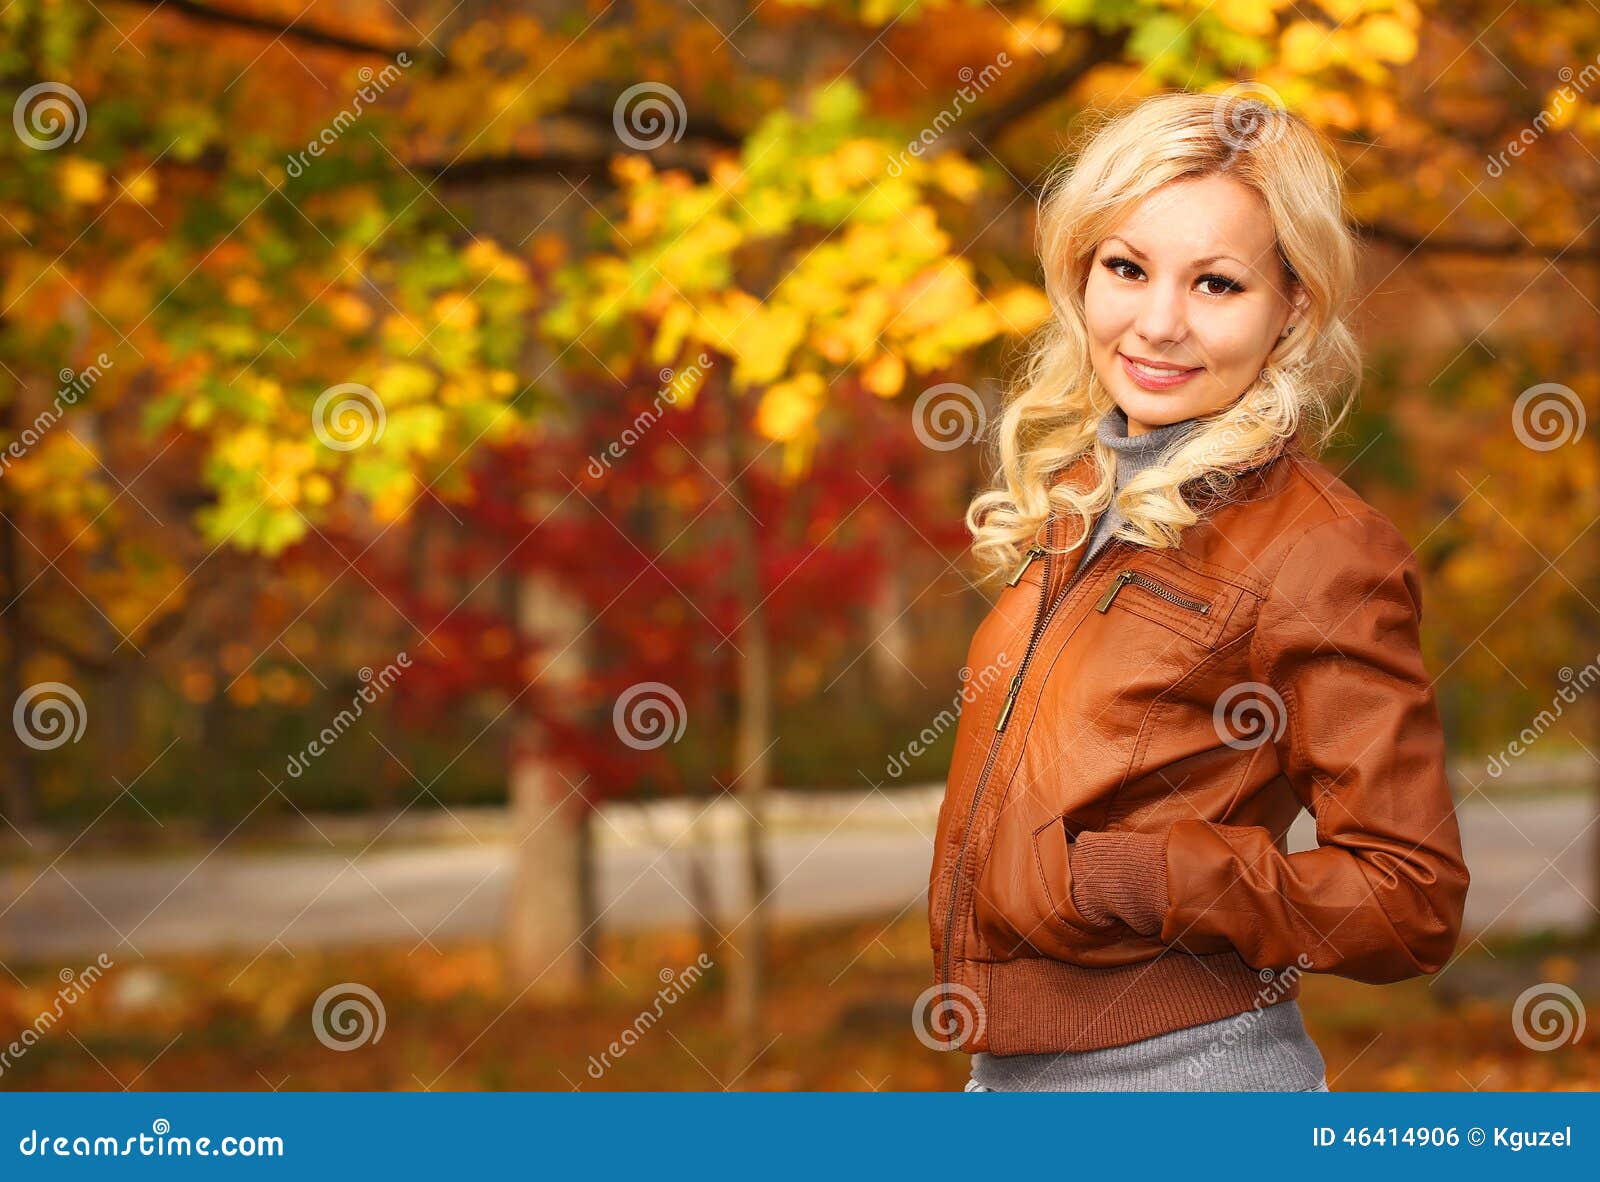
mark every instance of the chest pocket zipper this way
{"type": "Point", "coordinates": [1125, 577]}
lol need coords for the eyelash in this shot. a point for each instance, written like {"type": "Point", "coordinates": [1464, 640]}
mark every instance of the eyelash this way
{"type": "Point", "coordinates": [1112, 263]}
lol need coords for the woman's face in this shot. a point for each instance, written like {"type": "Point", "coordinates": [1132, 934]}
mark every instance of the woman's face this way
{"type": "Point", "coordinates": [1189, 283]}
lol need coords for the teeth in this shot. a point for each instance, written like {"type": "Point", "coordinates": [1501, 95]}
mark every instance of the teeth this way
{"type": "Point", "coordinates": [1158, 372]}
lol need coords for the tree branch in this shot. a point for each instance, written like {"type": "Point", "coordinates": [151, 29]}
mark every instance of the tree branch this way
{"type": "Point", "coordinates": [297, 30]}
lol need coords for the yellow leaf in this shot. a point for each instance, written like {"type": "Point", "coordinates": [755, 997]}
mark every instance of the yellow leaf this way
{"type": "Point", "coordinates": [350, 311]}
{"type": "Point", "coordinates": [934, 297]}
{"type": "Point", "coordinates": [1304, 47]}
{"type": "Point", "coordinates": [885, 376]}
{"type": "Point", "coordinates": [142, 188]}
{"type": "Point", "coordinates": [670, 332]}
{"type": "Point", "coordinates": [789, 408]}
{"type": "Point", "coordinates": [1387, 39]}
{"type": "Point", "coordinates": [1022, 308]}
{"type": "Point", "coordinates": [1255, 17]}
{"type": "Point", "coordinates": [81, 181]}
{"type": "Point", "coordinates": [957, 176]}
{"type": "Point", "coordinates": [764, 342]}
{"type": "Point", "coordinates": [243, 289]}
{"type": "Point", "coordinates": [456, 309]}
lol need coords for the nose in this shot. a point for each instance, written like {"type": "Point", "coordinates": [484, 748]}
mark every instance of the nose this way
{"type": "Point", "coordinates": [1162, 315]}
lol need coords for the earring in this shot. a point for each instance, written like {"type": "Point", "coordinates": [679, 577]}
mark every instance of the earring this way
{"type": "Point", "coordinates": [1286, 332]}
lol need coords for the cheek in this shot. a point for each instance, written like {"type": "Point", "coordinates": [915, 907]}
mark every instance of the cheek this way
{"type": "Point", "coordinates": [1235, 342]}
{"type": "Point", "coordinates": [1107, 311]}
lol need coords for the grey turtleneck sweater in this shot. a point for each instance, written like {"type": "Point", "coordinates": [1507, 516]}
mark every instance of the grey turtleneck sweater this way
{"type": "Point", "coordinates": [1259, 1050]}
{"type": "Point", "coordinates": [1134, 454]}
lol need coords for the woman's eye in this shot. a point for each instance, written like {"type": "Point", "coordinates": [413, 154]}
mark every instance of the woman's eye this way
{"type": "Point", "coordinates": [1223, 281]}
{"type": "Point", "coordinates": [1116, 267]}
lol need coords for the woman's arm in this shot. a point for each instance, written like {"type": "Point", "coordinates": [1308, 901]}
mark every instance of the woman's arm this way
{"type": "Point", "coordinates": [1382, 896]}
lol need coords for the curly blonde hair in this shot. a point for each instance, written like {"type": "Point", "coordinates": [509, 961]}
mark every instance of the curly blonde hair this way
{"type": "Point", "coordinates": [1054, 407]}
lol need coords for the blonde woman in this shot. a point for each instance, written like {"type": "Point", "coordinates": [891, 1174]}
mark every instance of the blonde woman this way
{"type": "Point", "coordinates": [1201, 629]}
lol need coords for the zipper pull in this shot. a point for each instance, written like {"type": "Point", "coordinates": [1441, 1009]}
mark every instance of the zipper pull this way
{"type": "Point", "coordinates": [1028, 556]}
{"type": "Point", "coordinates": [1117, 584]}
{"type": "Point", "coordinates": [1011, 700]}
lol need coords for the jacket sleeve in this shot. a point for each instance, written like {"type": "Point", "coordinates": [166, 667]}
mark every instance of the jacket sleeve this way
{"type": "Point", "coordinates": [1356, 729]}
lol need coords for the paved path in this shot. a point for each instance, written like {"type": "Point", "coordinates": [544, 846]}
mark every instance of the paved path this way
{"type": "Point", "coordinates": [1531, 862]}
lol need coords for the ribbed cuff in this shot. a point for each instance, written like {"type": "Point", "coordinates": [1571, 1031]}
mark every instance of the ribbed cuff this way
{"type": "Point", "coordinates": [1121, 876]}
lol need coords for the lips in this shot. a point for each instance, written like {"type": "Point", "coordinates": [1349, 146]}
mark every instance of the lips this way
{"type": "Point", "coordinates": [1158, 369]}
{"type": "Point", "coordinates": [1155, 375]}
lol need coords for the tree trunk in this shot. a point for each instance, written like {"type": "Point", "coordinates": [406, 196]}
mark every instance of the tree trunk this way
{"type": "Point", "coordinates": [747, 938]}
{"type": "Point", "coordinates": [546, 925]}
{"type": "Point", "coordinates": [17, 789]}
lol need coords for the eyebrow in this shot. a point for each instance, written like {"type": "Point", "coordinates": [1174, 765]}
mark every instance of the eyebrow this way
{"type": "Point", "coordinates": [1139, 254]}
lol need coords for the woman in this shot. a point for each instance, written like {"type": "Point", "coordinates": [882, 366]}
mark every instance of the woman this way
{"type": "Point", "coordinates": [1201, 630]}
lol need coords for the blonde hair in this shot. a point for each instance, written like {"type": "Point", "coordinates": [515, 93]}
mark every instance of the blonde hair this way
{"type": "Point", "coordinates": [1051, 415]}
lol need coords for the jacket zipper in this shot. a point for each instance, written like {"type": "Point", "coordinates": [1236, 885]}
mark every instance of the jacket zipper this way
{"type": "Point", "coordinates": [1041, 621]}
{"type": "Point", "coordinates": [1140, 580]}
{"type": "Point", "coordinates": [1028, 556]}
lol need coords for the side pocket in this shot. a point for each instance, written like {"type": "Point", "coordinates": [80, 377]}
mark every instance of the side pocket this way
{"type": "Point", "coordinates": [1053, 862]}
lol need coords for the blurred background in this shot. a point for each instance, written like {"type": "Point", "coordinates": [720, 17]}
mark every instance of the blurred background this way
{"type": "Point", "coordinates": [482, 583]}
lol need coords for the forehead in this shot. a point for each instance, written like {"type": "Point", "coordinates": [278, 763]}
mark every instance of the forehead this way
{"type": "Point", "coordinates": [1195, 218]}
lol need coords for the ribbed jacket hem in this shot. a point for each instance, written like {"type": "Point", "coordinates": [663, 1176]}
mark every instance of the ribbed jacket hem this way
{"type": "Point", "coordinates": [1036, 1006]}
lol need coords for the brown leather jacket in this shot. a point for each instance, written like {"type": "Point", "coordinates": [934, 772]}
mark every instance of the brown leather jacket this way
{"type": "Point", "coordinates": [1110, 857]}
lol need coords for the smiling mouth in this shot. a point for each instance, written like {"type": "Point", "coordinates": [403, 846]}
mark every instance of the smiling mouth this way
{"type": "Point", "coordinates": [1159, 371]}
